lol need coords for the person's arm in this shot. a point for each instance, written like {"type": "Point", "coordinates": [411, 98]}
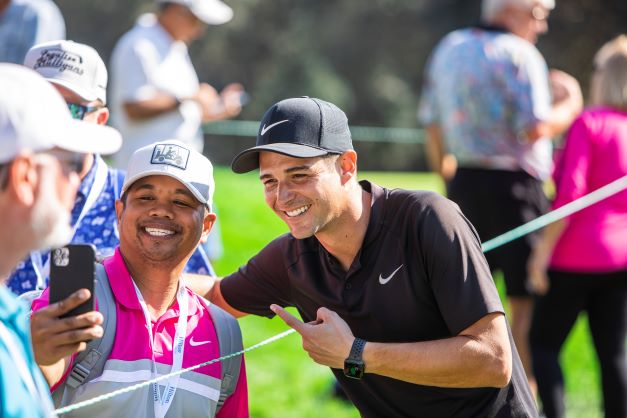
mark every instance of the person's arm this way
{"type": "Point", "coordinates": [158, 104]}
{"type": "Point", "coordinates": [209, 288]}
{"type": "Point", "coordinates": [56, 339]}
{"type": "Point", "coordinates": [540, 258]}
{"type": "Point", "coordinates": [567, 104]}
{"type": "Point", "coordinates": [225, 105]}
{"type": "Point", "coordinates": [438, 159]}
{"type": "Point", "coordinates": [213, 106]}
{"type": "Point", "coordinates": [571, 182]}
{"type": "Point", "coordinates": [479, 356]}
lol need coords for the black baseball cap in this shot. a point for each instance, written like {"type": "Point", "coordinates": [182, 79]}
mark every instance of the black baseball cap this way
{"type": "Point", "coordinates": [302, 127]}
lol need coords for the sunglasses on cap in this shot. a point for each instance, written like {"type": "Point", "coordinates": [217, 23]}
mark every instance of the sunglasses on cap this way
{"type": "Point", "coordinates": [79, 111]}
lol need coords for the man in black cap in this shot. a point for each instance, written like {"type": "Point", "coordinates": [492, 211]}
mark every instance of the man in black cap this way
{"type": "Point", "coordinates": [392, 286]}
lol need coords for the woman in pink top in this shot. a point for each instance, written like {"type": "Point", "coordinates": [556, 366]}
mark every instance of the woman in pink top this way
{"type": "Point", "coordinates": [580, 264]}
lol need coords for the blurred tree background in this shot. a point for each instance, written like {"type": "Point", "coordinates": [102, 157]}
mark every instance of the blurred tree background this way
{"type": "Point", "coordinates": [365, 56]}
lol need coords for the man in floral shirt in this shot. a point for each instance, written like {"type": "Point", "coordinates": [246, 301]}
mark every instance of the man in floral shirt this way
{"type": "Point", "coordinates": [489, 117]}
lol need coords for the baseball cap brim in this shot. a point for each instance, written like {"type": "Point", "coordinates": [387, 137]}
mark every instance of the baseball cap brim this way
{"type": "Point", "coordinates": [212, 12]}
{"type": "Point", "coordinates": [86, 138]}
{"type": "Point", "coordinates": [86, 94]}
{"type": "Point", "coordinates": [248, 160]}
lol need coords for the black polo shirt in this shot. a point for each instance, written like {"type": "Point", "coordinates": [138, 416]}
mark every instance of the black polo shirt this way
{"type": "Point", "coordinates": [420, 276]}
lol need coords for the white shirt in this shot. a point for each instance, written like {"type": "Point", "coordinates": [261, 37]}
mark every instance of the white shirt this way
{"type": "Point", "coordinates": [146, 61]}
{"type": "Point", "coordinates": [25, 23]}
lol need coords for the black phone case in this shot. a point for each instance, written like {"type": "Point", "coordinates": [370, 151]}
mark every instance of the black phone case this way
{"type": "Point", "coordinates": [73, 267]}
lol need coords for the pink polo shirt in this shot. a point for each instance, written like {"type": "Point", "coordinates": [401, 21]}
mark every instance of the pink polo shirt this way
{"type": "Point", "coordinates": [595, 154]}
{"type": "Point", "coordinates": [130, 359]}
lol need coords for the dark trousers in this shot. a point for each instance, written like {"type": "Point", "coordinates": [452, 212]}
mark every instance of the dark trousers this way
{"type": "Point", "coordinates": [496, 201]}
{"type": "Point", "coordinates": [604, 298]}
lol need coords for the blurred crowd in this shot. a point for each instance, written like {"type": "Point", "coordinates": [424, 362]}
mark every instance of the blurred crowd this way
{"type": "Point", "coordinates": [494, 115]}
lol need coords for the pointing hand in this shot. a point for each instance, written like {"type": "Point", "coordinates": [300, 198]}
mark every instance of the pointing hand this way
{"type": "Point", "coordinates": [327, 340]}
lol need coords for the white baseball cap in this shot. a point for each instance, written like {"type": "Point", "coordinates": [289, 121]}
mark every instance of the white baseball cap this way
{"type": "Point", "coordinates": [77, 67]}
{"type": "Point", "coordinates": [177, 160]}
{"type": "Point", "coordinates": [34, 116]}
{"type": "Point", "coordinates": [212, 12]}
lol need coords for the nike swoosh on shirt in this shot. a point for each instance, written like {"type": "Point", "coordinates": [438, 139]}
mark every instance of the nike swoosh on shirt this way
{"type": "Point", "coordinates": [265, 129]}
{"type": "Point", "coordinates": [197, 343]}
{"type": "Point", "coordinates": [384, 280]}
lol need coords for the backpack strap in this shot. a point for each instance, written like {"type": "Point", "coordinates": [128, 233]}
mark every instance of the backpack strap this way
{"type": "Point", "coordinates": [230, 339]}
{"type": "Point", "coordinates": [90, 363]}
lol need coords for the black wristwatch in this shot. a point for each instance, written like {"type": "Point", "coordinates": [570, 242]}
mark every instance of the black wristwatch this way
{"type": "Point", "coordinates": [354, 366]}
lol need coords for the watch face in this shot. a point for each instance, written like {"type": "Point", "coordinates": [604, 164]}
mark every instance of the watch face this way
{"type": "Point", "coordinates": [354, 369]}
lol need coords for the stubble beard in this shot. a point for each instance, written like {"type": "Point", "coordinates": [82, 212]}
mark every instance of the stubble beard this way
{"type": "Point", "coordinates": [50, 221]}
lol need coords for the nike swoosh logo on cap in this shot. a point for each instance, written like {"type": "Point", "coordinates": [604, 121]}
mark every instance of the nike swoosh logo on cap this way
{"type": "Point", "coordinates": [265, 129]}
{"type": "Point", "coordinates": [197, 343]}
{"type": "Point", "coordinates": [384, 280]}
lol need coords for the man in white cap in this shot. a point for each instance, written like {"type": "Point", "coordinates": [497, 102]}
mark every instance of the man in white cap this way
{"type": "Point", "coordinates": [79, 74]}
{"type": "Point", "coordinates": [489, 116]}
{"type": "Point", "coordinates": [164, 211]}
{"type": "Point", "coordinates": [41, 155]}
{"type": "Point", "coordinates": [155, 91]}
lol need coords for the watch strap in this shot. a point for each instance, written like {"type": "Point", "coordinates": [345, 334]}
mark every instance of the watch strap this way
{"type": "Point", "coordinates": [357, 349]}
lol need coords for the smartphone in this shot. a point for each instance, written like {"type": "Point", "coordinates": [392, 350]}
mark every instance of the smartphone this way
{"type": "Point", "coordinates": [73, 267]}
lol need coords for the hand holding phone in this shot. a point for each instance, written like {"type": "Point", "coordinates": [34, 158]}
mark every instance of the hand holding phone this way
{"type": "Point", "coordinates": [54, 338]}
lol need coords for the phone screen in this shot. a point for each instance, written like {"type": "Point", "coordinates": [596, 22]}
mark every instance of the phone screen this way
{"type": "Point", "coordinates": [73, 267]}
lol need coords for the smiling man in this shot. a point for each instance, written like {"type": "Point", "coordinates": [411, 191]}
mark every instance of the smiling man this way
{"type": "Point", "coordinates": [395, 294]}
{"type": "Point", "coordinates": [78, 73]}
{"type": "Point", "coordinates": [164, 211]}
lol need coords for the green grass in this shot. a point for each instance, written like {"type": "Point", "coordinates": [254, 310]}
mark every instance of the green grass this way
{"type": "Point", "coordinates": [283, 381]}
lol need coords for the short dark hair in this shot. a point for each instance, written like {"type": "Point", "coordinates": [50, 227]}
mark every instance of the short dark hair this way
{"type": "Point", "coordinates": [4, 174]}
{"type": "Point", "coordinates": [165, 5]}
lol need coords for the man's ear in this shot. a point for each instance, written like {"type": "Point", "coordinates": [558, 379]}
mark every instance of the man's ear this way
{"type": "Point", "coordinates": [210, 219]}
{"type": "Point", "coordinates": [103, 116]}
{"type": "Point", "coordinates": [348, 165]}
{"type": "Point", "coordinates": [22, 179]}
{"type": "Point", "coordinates": [119, 208]}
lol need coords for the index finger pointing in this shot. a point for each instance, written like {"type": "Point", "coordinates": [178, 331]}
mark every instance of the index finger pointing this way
{"type": "Point", "coordinates": [288, 318]}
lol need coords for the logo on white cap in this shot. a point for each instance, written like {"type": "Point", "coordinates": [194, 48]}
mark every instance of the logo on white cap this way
{"type": "Point", "coordinates": [61, 60]}
{"type": "Point", "coordinates": [75, 66]}
{"type": "Point", "coordinates": [170, 154]}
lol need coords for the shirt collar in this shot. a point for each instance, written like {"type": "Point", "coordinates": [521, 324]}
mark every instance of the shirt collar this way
{"type": "Point", "coordinates": [492, 28]}
{"type": "Point", "coordinates": [160, 36]}
{"type": "Point", "coordinates": [88, 181]}
{"type": "Point", "coordinates": [122, 285]}
{"type": "Point", "coordinates": [376, 221]}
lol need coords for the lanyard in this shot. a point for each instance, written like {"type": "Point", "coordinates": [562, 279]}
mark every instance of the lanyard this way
{"type": "Point", "coordinates": [35, 390]}
{"type": "Point", "coordinates": [163, 402]}
{"type": "Point", "coordinates": [42, 270]}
